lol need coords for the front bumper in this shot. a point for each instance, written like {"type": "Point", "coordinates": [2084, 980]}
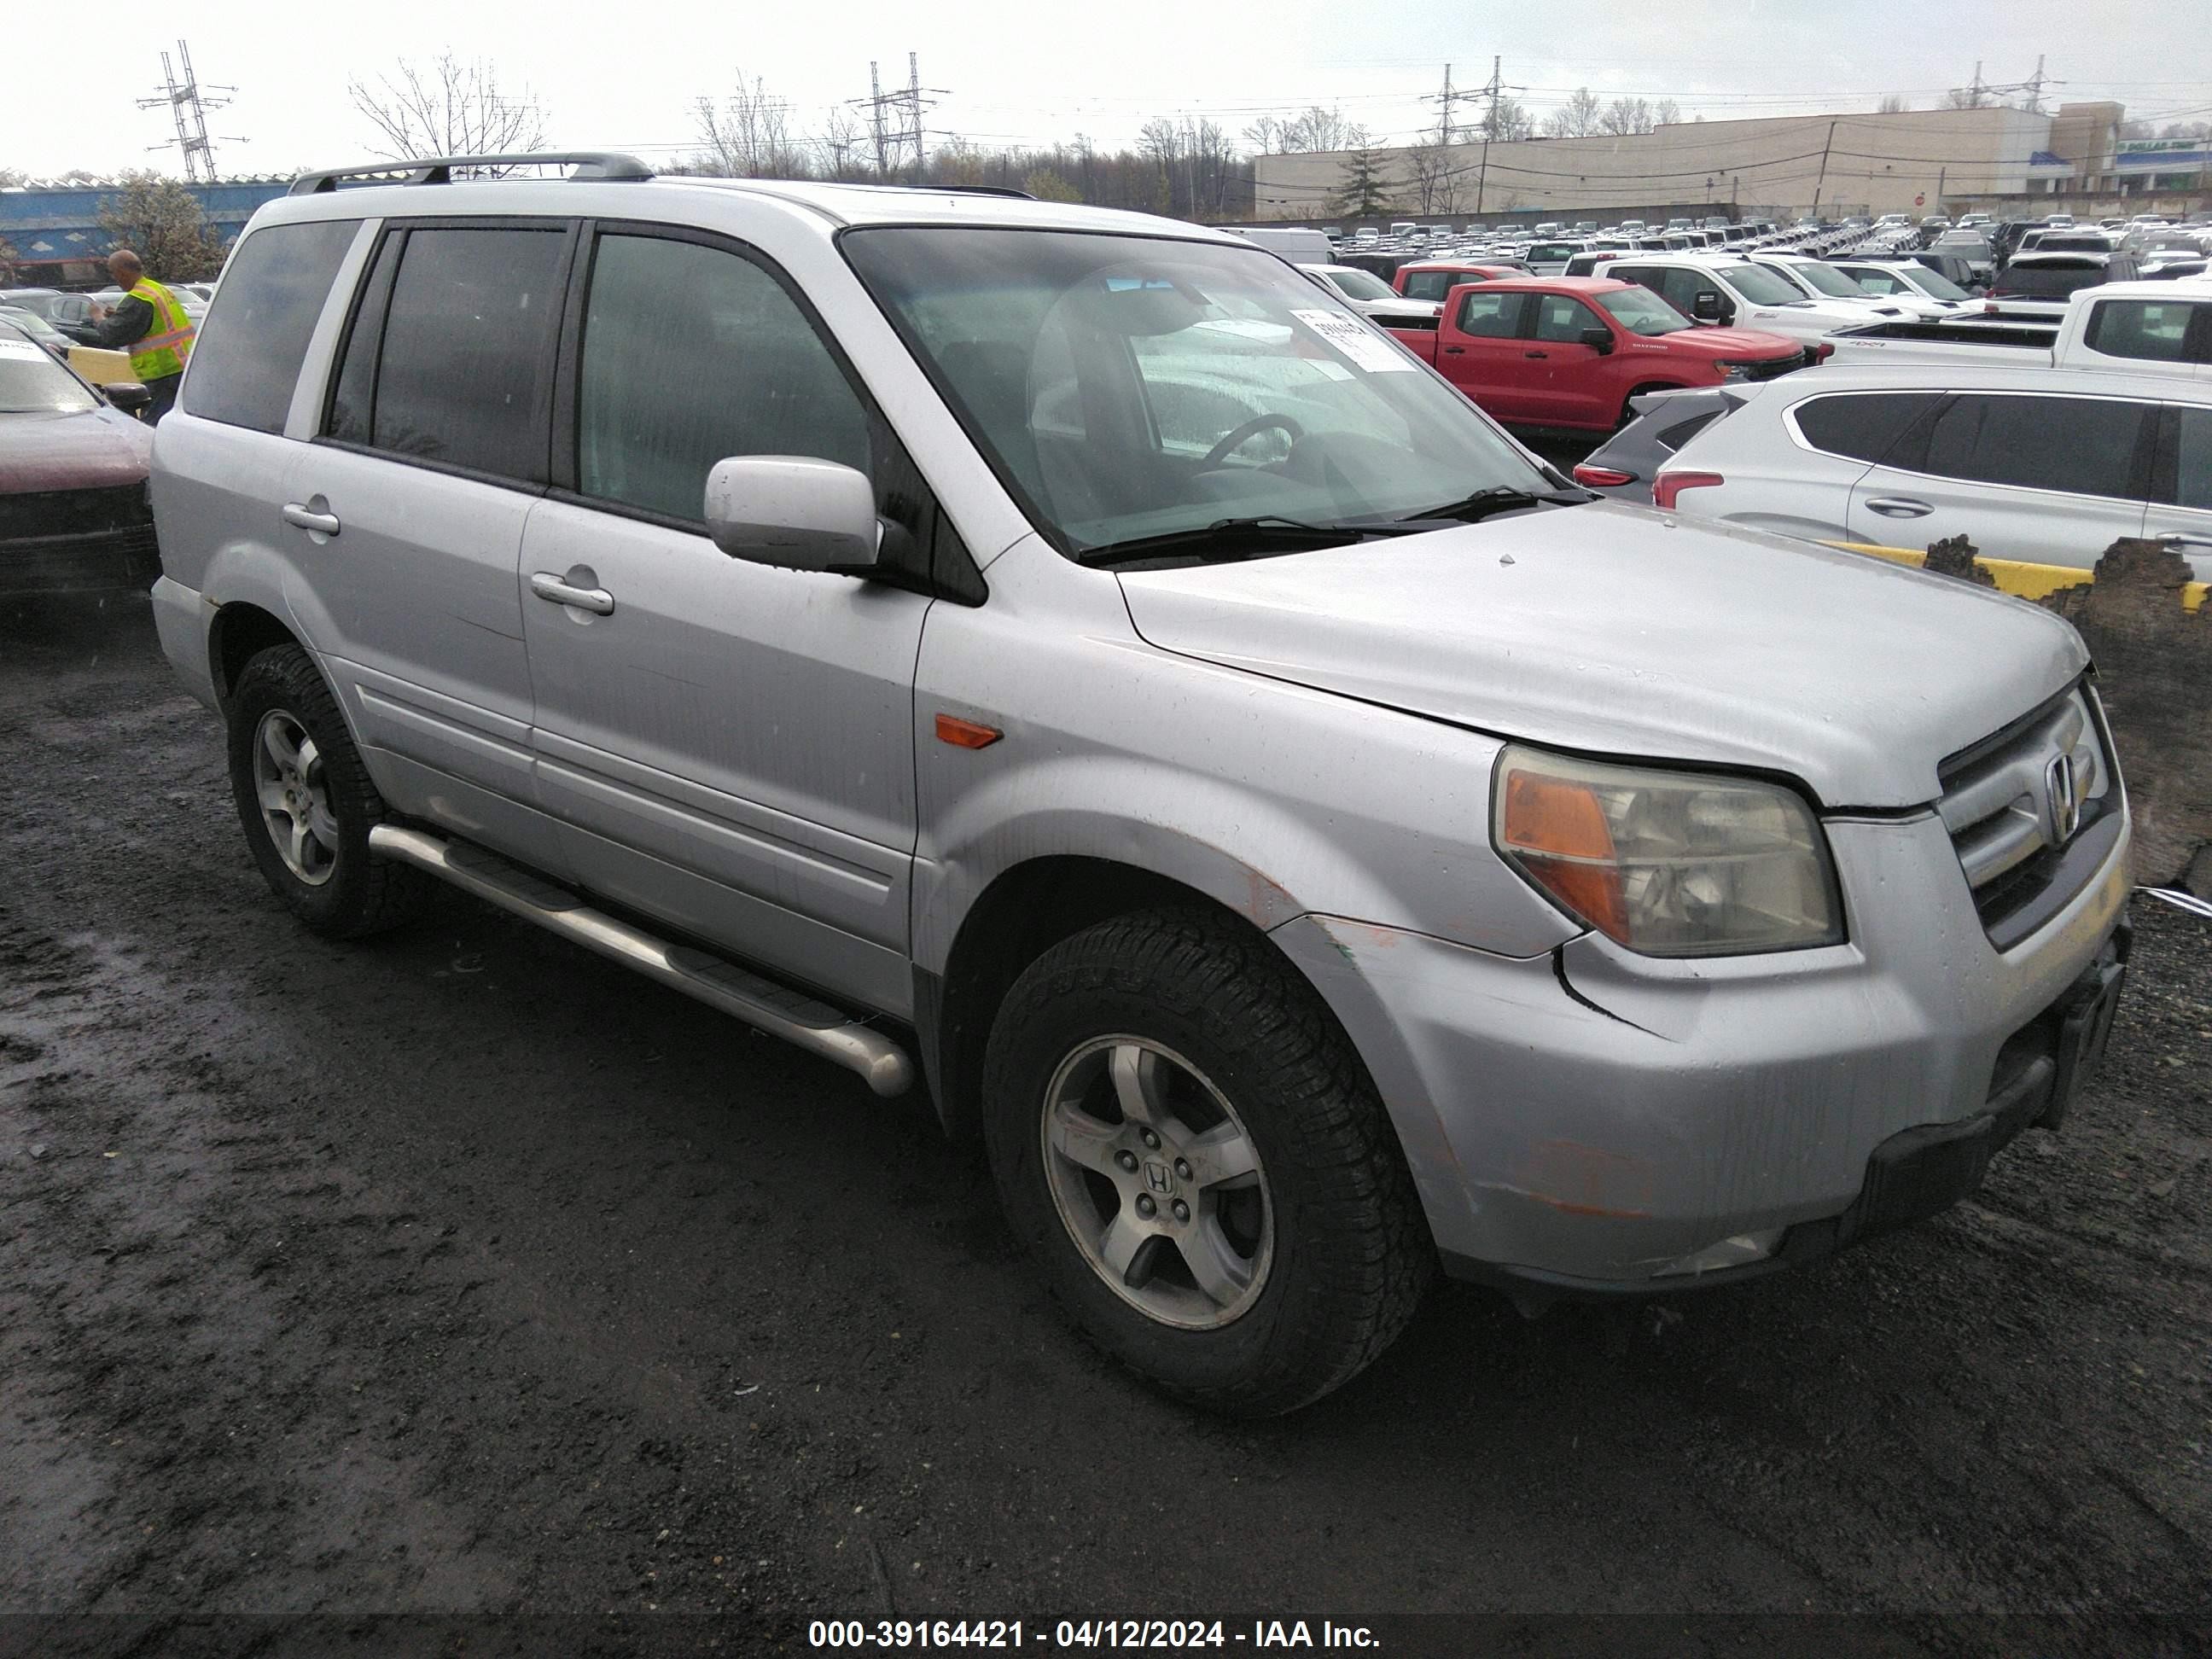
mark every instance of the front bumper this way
{"type": "Point", "coordinates": [113, 559]}
{"type": "Point", "coordinates": [1586, 1121]}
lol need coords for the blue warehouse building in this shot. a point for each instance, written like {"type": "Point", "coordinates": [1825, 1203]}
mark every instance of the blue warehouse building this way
{"type": "Point", "coordinates": [55, 233]}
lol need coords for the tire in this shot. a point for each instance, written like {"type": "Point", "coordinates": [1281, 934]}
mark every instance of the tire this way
{"type": "Point", "coordinates": [1185, 1010]}
{"type": "Point", "coordinates": [326, 875]}
{"type": "Point", "coordinates": [1627, 409]}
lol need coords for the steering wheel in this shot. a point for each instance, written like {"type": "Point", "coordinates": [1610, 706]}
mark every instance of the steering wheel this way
{"type": "Point", "coordinates": [1232, 441]}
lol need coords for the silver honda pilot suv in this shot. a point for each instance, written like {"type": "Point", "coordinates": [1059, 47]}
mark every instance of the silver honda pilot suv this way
{"type": "Point", "coordinates": [1065, 659]}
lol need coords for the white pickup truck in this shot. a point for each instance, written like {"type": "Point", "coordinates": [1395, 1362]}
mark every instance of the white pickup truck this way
{"type": "Point", "coordinates": [2136, 327]}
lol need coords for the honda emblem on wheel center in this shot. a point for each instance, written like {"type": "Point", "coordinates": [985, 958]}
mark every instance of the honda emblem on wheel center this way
{"type": "Point", "coordinates": [1157, 1176]}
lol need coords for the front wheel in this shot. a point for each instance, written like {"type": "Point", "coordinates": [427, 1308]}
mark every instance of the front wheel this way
{"type": "Point", "coordinates": [1192, 1151]}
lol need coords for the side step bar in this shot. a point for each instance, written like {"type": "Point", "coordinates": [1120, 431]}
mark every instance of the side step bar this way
{"type": "Point", "coordinates": [792, 1015]}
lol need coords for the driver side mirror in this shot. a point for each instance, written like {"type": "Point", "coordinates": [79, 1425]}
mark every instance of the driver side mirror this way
{"type": "Point", "coordinates": [1707, 306]}
{"type": "Point", "coordinates": [795, 512]}
{"type": "Point", "coordinates": [131, 397]}
{"type": "Point", "coordinates": [1598, 339]}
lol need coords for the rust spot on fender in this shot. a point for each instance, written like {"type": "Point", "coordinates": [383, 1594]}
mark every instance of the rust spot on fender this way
{"type": "Point", "coordinates": [1578, 1180]}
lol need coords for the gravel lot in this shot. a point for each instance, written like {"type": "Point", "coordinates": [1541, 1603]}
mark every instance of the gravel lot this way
{"type": "Point", "coordinates": [464, 1271]}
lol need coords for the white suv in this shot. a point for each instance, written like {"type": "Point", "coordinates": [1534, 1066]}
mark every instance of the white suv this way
{"type": "Point", "coordinates": [2040, 464]}
{"type": "Point", "coordinates": [1736, 293]}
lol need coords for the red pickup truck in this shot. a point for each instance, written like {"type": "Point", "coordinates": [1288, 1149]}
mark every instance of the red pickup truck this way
{"type": "Point", "coordinates": [1570, 351]}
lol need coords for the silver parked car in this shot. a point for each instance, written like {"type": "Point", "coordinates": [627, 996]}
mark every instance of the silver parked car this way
{"type": "Point", "coordinates": [1068, 659]}
{"type": "Point", "coordinates": [2047, 465]}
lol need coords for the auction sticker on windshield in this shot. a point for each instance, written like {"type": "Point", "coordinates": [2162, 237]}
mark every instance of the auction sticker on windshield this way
{"type": "Point", "coordinates": [1349, 337]}
{"type": "Point", "coordinates": [20, 348]}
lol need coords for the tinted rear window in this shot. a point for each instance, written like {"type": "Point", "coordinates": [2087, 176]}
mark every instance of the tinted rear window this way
{"type": "Point", "coordinates": [2079, 446]}
{"type": "Point", "coordinates": [2051, 282]}
{"type": "Point", "coordinates": [1864, 425]}
{"type": "Point", "coordinates": [2155, 330]}
{"type": "Point", "coordinates": [247, 359]}
{"type": "Point", "coordinates": [464, 367]}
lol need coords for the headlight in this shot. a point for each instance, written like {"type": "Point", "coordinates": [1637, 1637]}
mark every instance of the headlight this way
{"type": "Point", "coordinates": [1736, 371]}
{"type": "Point", "coordinates": [1669, 864]}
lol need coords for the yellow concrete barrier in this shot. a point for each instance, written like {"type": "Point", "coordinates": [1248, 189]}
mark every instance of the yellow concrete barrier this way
{"type": "Point", "coordinates": [2028, 582]}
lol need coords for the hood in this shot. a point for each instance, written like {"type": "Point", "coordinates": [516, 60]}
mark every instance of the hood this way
{"type": "Point", "coordinates": [96, 449]}
{"type": "Point", "coordinates": [1722, 342]}
{"type": "Point", "coordinates": [1619, 631]}
{"type": "Point", "coordinates": [1822, 313]}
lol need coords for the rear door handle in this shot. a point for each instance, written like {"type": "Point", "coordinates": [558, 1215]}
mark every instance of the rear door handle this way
{"type": "Point", "coordinates": [306, 518]}
{"type": "Point", "coordinates": [596, 600]}
{"type": "Point", "coordinates": [1898, 507]}
{"type": "Point", "coordinates": [1454, 351]}
{"type": "Point", "coordinates": [1535, 354]}
{"type": "Point", "coordinates": [2183, 538]}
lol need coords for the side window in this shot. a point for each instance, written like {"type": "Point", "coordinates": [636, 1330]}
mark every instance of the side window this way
{"type": "Point", "coordinates": [2156, 330]}
{"type": "Point", "coordinates": [1429, 285]}
{"type": "Point", "coordinates": [2192, 476]}
{"type": "Point", "coordinates": [1491, 316]}
{"type": "Point", "coordinates": [463, 361]}
{"type": "Point", "coordinates": [245, 363]}
{"type": "Point", "coordinates": [1876, 282]}
{"type": "Point", "coordinates": [1864, 426]}
{"type": "Point", "coordinates": [1559, 318]}
{"type": "Point", "coordinates": [692, 354]}
{"type": "Point", "coordinates": [2082, 445]}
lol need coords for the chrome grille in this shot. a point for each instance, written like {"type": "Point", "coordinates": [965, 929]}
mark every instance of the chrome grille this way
{"type": "Point", "coordinates": [2013, 802]}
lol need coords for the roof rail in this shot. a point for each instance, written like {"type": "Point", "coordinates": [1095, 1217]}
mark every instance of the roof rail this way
{"type": "Point", "coordinates": [982, 190]}
{"type": "Point", "coordinates": [602, 164]}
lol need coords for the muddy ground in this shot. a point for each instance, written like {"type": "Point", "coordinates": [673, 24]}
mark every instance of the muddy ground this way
{"type": "Point", "coordinates": [463, 1271]}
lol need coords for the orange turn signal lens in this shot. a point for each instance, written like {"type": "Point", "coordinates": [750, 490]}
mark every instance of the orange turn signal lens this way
{"type": "Point", "coordinates": [1556, 829]}
{"type": "Point", "coordinates": [966, 734]}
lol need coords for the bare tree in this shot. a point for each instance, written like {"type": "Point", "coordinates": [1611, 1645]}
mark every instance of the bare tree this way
{"type": "Point", "coordinates": [1579, 118]}
{"type": "Point", "coordinates": [1505, 121]}
{"type": "Point", "coordinates": [748, 134]}
{"type": "Point", "coordinates": [1434, 176]}
{"type": "Point", "coordinates": [1893, 103]}
{"type": "Point", "coordinates": [1666, 113]}
{"type": "Point", "coordinates": [1624, 117]}
{"type": "Point", "coordinates": [448, 107]}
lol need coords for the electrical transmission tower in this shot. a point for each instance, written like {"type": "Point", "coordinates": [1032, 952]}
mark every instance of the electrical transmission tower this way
{"type": "Point", "coordinates": [1446, 127]}
{"type": "Point", "coordinates": [188, 105]}
{"type": "Point", "coordinates": [895, 117]}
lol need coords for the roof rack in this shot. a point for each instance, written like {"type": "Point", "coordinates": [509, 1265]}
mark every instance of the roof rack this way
{"type": "Point", "coordinates": [598, 164]}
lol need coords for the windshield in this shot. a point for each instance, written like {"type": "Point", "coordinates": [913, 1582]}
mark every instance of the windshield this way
{"type": "Point", "coordinates": [1127, 386]}
{"type": "Point", "coordinates": [36, 327]}
{"type": "Point", "coordinates": [1826, 279]}
{"type": "Point", "coordinates": [1356, 285]}
{"type": "Point", "coordinates": [1640, 310]}
{"type": "Point", "coordinates": [31, 383]}
{"type": "Point", "coordinates": [1937, 285]}
{"type": "Point", "coordinates": [1763, 285]}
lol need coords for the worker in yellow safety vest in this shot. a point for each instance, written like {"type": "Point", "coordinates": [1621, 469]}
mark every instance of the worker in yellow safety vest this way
{"type": "Point", "coordinates": [150, 324]}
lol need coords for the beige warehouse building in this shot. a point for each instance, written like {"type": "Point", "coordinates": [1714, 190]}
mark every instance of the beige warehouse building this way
{"type": "Point", "coordinates": [1915, 158]}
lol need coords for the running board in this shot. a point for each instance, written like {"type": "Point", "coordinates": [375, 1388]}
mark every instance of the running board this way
{"type": "Point", "coordinates": [779, 1010]}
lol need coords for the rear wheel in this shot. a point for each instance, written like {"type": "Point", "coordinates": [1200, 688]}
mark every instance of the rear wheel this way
{"type": "Point", "coordinates": [1192, 1151]}
{"type": "Point", "coordinates": [305, 801]}
{"type": "Point", "coordinates": [1627, 403]}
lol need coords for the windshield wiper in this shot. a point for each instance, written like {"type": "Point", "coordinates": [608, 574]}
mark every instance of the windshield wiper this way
{"type": "Point", "coordinates": [1500, 498]}
{"type": "Point", "coordinates": [1267, 530]}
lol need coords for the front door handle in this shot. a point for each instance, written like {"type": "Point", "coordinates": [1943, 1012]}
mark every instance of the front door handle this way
{"type": "Point", "coordinates": [596, 600]}
{"type": "Point", "coordinates": [303, 516]}
{"type": "Point", "coordinates": [1535, 354]}
{"type": "Point", "coordinates": [1898, 507]}
{"type": "Point", "coordinates": [2183, 538]}
{"type": "Point", "coordinates": [1454, 351]}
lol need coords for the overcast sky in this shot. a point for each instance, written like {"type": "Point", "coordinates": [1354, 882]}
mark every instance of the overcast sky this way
{"type": "Point", "coordinates": [626, 76]}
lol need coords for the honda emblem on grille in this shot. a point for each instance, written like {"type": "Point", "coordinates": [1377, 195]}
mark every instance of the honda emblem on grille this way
{"type": "Point", "coordinates": [2065, 806]}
